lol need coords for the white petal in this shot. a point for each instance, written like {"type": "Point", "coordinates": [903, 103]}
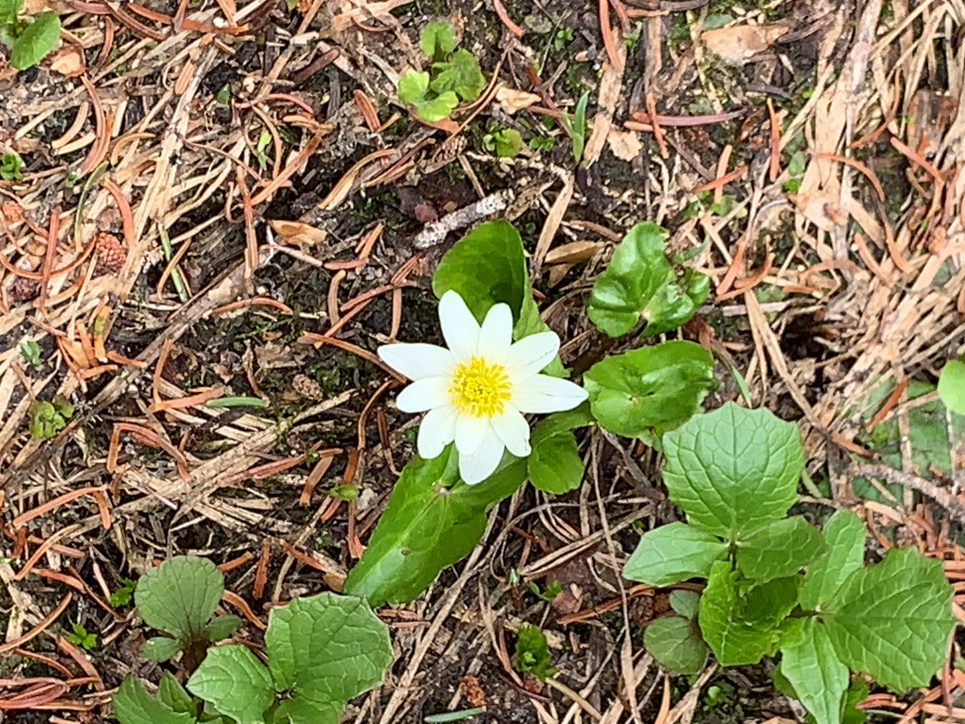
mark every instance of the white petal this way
{"type": "Point", "coordinates": [424, 394]}
{"type": "Point", "coordinates": [496, 334]}
{"type": "Point", "coordinates": [459, 326]}
{"type": "Point", "coordinates": [513, 430]}
{"type": "Point", "coordinates": [542, 393]}
{"type": "Point", "coordinates": [470, 431]}
{"type": "Point", "coordinates": [531, 354]}
{"type": "Point", "coordinates": [480, 465]}
{"type": "Point", "coordinates": [416, 361]}
{"type": "Point", "coordinates": [438, 430]}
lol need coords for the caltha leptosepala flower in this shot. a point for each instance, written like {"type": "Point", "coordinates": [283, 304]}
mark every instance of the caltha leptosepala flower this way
{"type": "Point", "coordinates": [476, 391]}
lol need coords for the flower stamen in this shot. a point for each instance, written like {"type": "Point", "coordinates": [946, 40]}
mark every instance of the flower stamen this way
{"type": "Point", "coordinates": [479, 388]}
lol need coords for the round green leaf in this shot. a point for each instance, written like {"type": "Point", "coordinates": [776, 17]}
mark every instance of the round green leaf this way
{"type": "Point", "coordinates": [179, 596]}
{"type": "Point", "coordinates": [647, 391]}
{"type": "Point", "coordinates": [676, 644]}
{"type": "Point", "coordinates": [951, 386]}
{"type": "Point", "coordinates": [685, 603]}
{"type": "Point", "coordinates": [235, 682]}
{"type": "Point", "coordinates": [733, 470]}
{"type": "Point", "coordinates": [160, 648]}
{"type": "Point", "coordinates": [438, 38]}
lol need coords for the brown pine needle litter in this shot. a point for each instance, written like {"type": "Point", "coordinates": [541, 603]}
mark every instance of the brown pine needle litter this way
{"type": "Point", "coordinates": [230, 202]}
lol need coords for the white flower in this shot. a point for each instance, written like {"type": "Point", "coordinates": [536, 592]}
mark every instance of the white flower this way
{"type": "Point", "coordinates": [477, 390]}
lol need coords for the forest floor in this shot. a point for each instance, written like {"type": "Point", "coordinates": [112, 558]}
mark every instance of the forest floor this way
{"type": "Point", "coordinates": [220, 200]}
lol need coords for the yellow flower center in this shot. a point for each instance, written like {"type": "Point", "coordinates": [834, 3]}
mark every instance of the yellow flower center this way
{"type": "Point", "coordinates": [479, 388]}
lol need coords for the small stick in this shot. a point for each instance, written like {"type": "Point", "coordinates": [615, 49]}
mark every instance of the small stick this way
{"type": "Point", "coordinates": [435, 233]}
{"type": "Point", "coordinates": [951, 503]}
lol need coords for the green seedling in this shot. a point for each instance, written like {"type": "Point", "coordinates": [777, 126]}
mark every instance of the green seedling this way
{"type": "Point", "coordinates": [322, 651]}
{"type": "Point", "coordinates": [49, 418]}
{"type": "Point", "coordinates": [29, 41]}
{"type": "Point", "coordinates": [533, 653]}
{"type": "Point", "coordinates": [778, 584]}
{"type": "Point", "coordinates": [124, 595]}
{"type": "Point", "coordinates": [505, 143]}
{"type": "Point", "coordinates": [30, 351]}
{"type": "Point", "coordinates": [454, 75]}
{"type": "Point", "coordinates": [79, 636]}
{"type": "Point", "coordinates": [575, 125]}
{"type": "Point", "coordinates": [179, 597]}
{"type": "Point", "coordinates": [11, 166]}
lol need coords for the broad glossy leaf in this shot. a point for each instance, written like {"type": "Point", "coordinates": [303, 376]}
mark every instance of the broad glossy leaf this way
{"type": "Point", "coordinates": [179, 596]}
{"type": "Point", "coordinates": [438, 38]}
{"type": "Point", "coordinates": [951, 386]}
{"type": "Point", "coordinates": [641, 284]}
{"type": "Point", "coordinates": [767, 604]}
{"type": "Point", "coordinates": [676, 644]}
{"type": "Point", "coordinates": [326, 649]}
{"type": "Point", "coordinates": [892, 620]}
{"type": "Point", "coordinates": [647, 391]}
{"type": "Point", "coordinates": [133, 705]}
{"type": "Point", "coordinates": [674, 553]}
{"type": "Point", "coordinates": [459, 74]}
{"type": "Point", "coordinates": [555, 465]}
{"type": "Point", "coordinates": [844, 536]}
{"type": "Point", "coordinates": [161, 648]}
{"type": "Point", "coordinates": [733, 641]}
{"type": "Point", "coordinates": [235, 682]}
{"type": "Point", "coordinates": [816, 673]}
{"type": "Point", "coordinates": [778, 549]}
{"type": "Point", "coordinates": [37, 40]}
{"type": "Point", "coordinates": [432, 521]}
{"type": "Point", "coordinates": [733, 470]}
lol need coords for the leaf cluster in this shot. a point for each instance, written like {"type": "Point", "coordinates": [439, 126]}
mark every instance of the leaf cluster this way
{"type": "Point", "coordinates": [454, 75]}
{"type": "Point", "coordinates": [533, 653]}
{"type": "Point", "coordinates": [322, 651]}
{"type": "Point", "coordinates": [29, 41]}
{"type": "Point", "coordinates": [778, 583]}
{"type": "Point", "coordinates": [49, 418]}
{"type": "Point", "coordinates": [179, 597]}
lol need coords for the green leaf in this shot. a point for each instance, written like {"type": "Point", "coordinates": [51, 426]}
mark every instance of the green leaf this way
{"type": "Point", "coordinates": [459, 74]}
{"type": "Point", "coordinates": [645, 392]}
{"type": "Point", "coordinates": [641, 284]}
{"type": "Point", "coordinates": [781, 548]}
{"type": "Point", "coordinates": [733, 641]}
{"type": "Point", "coordinates": [676, 644]}
{"type": "Point", "coordinates": [37, 40]}
{"type": "Point", "coordinates": [325, 650]}
{"type": "Point", "coordinates": [533, 653]}
{"type": "Point", "coordinates": [300, 709]}
{"type": "Point", "coordinates": [733, 470]}
{"type": "Point", "coordinates": [673, 553]}
{"type": "Point", "coordinates": [432, 521]}
{"type": "Point", "coordinates": [437, 39]}
{"type": "Point", "coordinates": [951, 386]}
{"type": "Point", "coordinates": [816, 673]}
{"type": "Point", "coordinates": [686, 603]}
{"type": "Point", "coordinates": [9, 10]}
{"type": "Point", "coordinates": [133, 705]}
{"type": "Point", "coordinates": [507, 143]}
{"type": "Point", "coordinates": [893, 620]}
{"type": "Point", "coordinates": [844, 535]}
{"type": "Point", "coordinates": [486, 266]}
{"type": "Point", "coordinates": [555, 465]}
{"type": "Point", "coordinates": [413, 86]}
{"type": "Point", "coordinates": [857, 692]}
{"type": "Point", "coordinates": [766, 605]}
{"type": "Point", "coordinates": [11, 169]}
{"type": "Point", "coordinates": [161, 648]}
{"type": "Point", "coordinates": [222, 627]}
{"type": "Point", "coordinates": [179, 596]}
{"type": "Point", "coordinates": [233, 680]}
{"type": "Point", "coordinates": [435, 109]}
{"type": "Point", "coordinates": [174, 696]}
